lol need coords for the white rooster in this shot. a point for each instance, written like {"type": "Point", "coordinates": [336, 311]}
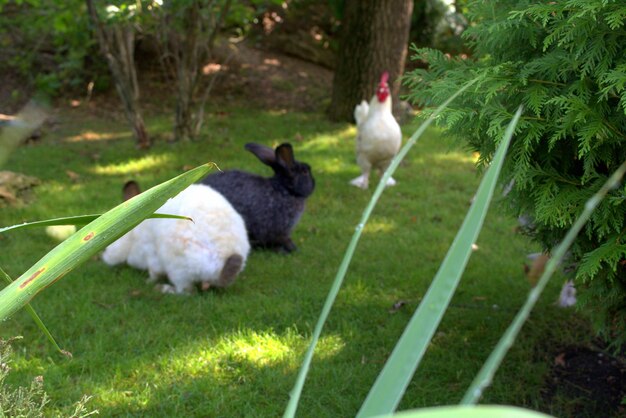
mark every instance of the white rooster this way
{"type": "Point", "coordinates": [378, 134]}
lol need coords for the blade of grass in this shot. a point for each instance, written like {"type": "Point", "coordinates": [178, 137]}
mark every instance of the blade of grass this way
{"type": "Point", "coordinates": [89, 240]}
{"type": "Point", "coordinates": [391, 383]}
{"type": "Point", "coordinates": [482, 411]}
{"type": "Point", "coordinates": [485, 376]}
{"type": "Point", "coordinates": [296, 392]}
{"type": "Point", "coordinates": [80, 220]}
{"type": "Point", "coordinates": [36, 318]}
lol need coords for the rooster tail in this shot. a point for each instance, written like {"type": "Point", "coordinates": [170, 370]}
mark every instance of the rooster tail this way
{"type": "Point", "coordinates": [360, 112]}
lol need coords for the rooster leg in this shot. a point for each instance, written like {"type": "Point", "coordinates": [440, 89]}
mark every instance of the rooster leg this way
{"type": "Point", "coordinates": [383, 167]}
{"type": "Point", "coordinates": [363, 180]}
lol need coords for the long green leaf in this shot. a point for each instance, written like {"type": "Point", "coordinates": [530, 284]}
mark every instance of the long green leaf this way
{"type": "Point", "coordinates": [89, 240]}
{"type": "Point", "coordinates": [296, 392]}
{"type": "Point", "coordinates": [482, 411]}
{"type": "Point", "coordinates": [36, 318]}
{"type": "Point", "coordinates": [80, 220]}
{"type": "Point", "coordinates": [485, 376]}
{"type": "Point", "coordinates": [391, 383]}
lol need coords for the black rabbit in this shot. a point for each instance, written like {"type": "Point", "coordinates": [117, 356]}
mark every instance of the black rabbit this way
{"type": "Point", "coordinates": [271, 207]}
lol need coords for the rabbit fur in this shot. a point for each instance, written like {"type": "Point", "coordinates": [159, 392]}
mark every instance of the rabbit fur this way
{"type": "Point", "coordinates": [270, 206]}
{"type": "Point", "coordinates": [210, 250]}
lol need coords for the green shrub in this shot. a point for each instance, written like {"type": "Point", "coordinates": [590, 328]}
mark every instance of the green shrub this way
{"type": "Point", "coordinates": [28, 401]}
{"type": "Point", "coordinates": [21, 401]}
{"type": "Point", "coordinates": [48, 44]}
{"type": "Point", "coordinates": [566, 63]}
{"type": "Point", "coordinates": [51, 46]}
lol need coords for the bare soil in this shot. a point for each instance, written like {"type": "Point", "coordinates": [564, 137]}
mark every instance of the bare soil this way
{"type": "Point", "coordinates": [274, 80]}
{"type": "Point", "coordinates": [591, 380]}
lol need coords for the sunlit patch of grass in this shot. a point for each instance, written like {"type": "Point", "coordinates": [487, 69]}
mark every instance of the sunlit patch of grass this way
{"type": "Point", "coordinates": [329, 140]}
{"type": "Point", "coordinates": [213, 363]}
{"type": "Point", "coordinates": [344, 136]}
{"type": "Point", "coordinates": [334, 165]}
{"type": "Point", "coordinates": [91, 136]}
{"type": "Point", "coordinates": [327, 151]}
{"type": "Point", "coordinates": [455, 157]}
{"type": "Point", "coordinates": [134, 166]}
{"type": "Point", "coordinates": [258, 348]}
{"type": "Point", "coordinates": [376, 226]}
{"type": "Point", "coordinates": [279, 112]}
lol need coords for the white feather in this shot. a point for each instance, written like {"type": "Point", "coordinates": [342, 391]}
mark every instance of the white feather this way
{"type": "Point", "coordinates": [360, 112]}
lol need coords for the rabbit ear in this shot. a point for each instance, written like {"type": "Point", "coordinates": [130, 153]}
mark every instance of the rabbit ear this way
{"type": "Point", "coordinates": [263, 153]}
{"type": "Point", "coordinates": [284, 155]}
{"type": "Point", "coordinates": [130, 189]}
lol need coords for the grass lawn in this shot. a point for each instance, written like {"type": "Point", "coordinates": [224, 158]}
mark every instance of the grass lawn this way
{"type": "Point", "coordinates": [236, 352]}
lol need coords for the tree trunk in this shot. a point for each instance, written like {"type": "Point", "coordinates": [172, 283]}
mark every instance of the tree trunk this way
{"type": "Point", "coordinates": [117, 43]}
{"type": "Point", "coordinates": [373, 39]}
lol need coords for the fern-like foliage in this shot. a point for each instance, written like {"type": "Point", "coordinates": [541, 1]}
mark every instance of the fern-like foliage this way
{"type": "Point", "coordinates": [565, 62]}
{"type": "Point", "coordinates": [22, 401]}
{"type": "Point", "coordinates": [31, 401]}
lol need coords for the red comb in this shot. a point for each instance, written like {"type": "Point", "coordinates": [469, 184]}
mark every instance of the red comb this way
{"type": "Point", "coordinates": [384, 78]}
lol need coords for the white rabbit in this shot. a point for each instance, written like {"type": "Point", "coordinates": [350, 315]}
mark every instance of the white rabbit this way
{"type": "Point", "coordinates": [210, 250]}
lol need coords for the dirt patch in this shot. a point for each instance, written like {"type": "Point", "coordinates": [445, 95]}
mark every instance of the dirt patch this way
{"type": "Point", "coordinates": [243, 74]}
{"type": "Point", "coordinates": [271, 80]}
{"type": "Point", "coordinates": [589, 381]}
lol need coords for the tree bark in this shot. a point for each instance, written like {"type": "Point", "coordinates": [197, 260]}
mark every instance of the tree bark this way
{"type": "Point", "coordinates": [117, 44]}
{"type": "Point", "coordinates": [374, 38]}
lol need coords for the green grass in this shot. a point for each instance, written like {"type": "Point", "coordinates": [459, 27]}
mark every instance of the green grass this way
{"type": "Point", "coordinates": [237, 352]}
